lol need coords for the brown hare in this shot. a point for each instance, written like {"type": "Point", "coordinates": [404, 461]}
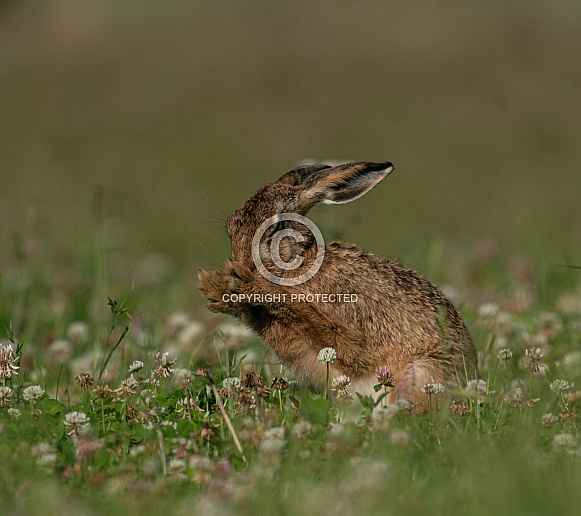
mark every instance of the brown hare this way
{"type": "Point", "coordinates": [300, 295]}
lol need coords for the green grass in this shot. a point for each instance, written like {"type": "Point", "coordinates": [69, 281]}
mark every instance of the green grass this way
{"type": "Point", "coordinates": [147, 450]}
{"type": "Point", "coordinates": [127, 131]}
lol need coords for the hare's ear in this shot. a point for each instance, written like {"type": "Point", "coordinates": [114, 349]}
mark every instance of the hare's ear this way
{"type": "Point", "coordinates": [342, 184]}
{"type": "Point", "coordinates": [298, 175]}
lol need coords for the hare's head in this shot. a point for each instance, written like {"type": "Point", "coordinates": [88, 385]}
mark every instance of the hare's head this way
{"type": "Point", "coordinates": [279, 206]}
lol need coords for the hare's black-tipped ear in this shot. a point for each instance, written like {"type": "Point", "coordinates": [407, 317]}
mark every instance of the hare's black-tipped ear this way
{"type": "Point", "coordinates": [344, 183]}
{"type": "Point", "coordinates": [298, 175]}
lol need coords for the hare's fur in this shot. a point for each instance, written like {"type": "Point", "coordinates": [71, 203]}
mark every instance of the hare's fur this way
{"type": "Point", "coordinates": [398, 319]}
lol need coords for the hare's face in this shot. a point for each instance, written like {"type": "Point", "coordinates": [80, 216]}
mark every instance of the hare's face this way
{"type": "Point", "coordinates": [256, 223]}
{"type": "Point", "coordinates": [259, 225]}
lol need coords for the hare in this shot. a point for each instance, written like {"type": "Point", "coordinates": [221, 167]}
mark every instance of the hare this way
{"type": "Point", "coordinates": [372, 310]}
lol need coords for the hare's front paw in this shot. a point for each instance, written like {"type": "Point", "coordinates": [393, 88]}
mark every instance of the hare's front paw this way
{"type": "Point", "coordinates": [212, 285]}
{"type": "Point", "coordinates": [238, 277]}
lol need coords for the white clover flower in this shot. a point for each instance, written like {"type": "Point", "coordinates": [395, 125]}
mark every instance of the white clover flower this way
{"type": "Point", "coordinates": [13, 412]}
{"type": "Point", "coordinates": [40, 449]}
{"type": "Point", "coordinates": [48, 460]}
{"type": "Point", "coordinates": [399, 437]}
{"type": "Point", "coordinates": [176, 466]}
{"type": "Point", "coordinates": [564, 441]}
{"type": "Point", "coordinates": [433, 388]}
{"type": "Point", "coordinates": [76, 421]}
{"type": "Point", "coordinates": [131, 382]}
{"type": "Point", "coordinates": [392, 410]}
{"type": "Point", "coordinates": [488, 310]}
{"type": "Point", "coordinates": [33, 393]}
{"type": "Point", "coordinates": [340, 382]}
{"type": "Point", "coordinates": [302, 429]}
{"type": "Point", "coordinates": [5, 394]}
{"type": "Point", "coordinates": [504, 354]}
{"type": "Point", "coordinates": [191, 333]}
{"type": "Point", "coordinates": [7, 362]}
{"type": "Point", "coordinates": [136, 450]}
{"type": "Point", "coordinates": [78, 331]}
{"type": "Point", "coordinates": [513, 396]}
{"type": "Point", "coordinates": [402, 405]}
{"type": "Point", "coordinates": [165, 366]}
{"type": "Point", "coordinates": [60, 350]}
{"type": "Point", "coordinates": [549, 419]}
{"type": "Point", "coordinates": [327, 356]}
{"type": "Point", "coordinates": [272, 446]}
{"type": "Point", "coordinates": [137, 365]}
{"type": "Point", "coordinates": [534, 353]}
{"type": "Point", "coordinates": [558, 386]}
{"type": "Point", "coordinates": [336, 430]}
{"type": "Point", "coordinates": [232, 382]}
{"type": "Point", "coordinates": [477, 387]}
{"type": "Point", "coordinates": [276, 432]}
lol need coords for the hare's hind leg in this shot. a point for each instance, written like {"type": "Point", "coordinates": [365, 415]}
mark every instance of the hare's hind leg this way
{"type": "Point", "coordinates": [410, 379]}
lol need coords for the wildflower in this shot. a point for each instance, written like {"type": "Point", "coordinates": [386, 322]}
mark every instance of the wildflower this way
{"type": "Point", "coordinates": [60, 350]}
{"type": "Point", "coordinates": [573, 396]}
{"type": "Point", "coordinates": [78, 332]}
{"type": "Point", "coordinates": [279, 384]}
{"type": "Point", "coordinates": [128, 386]}
{"type": "Point", "coordinates": [340, 383]}
{"type": "Point", "coordinates": [568, 417]}
{"type": "Point", "coordinates": [13, 412]}
{"type": "Point", "coordinates": [76, 421]}
{"type": "Point", "coordinates": [44, 454]}
{"type": "Point", "coordinates": [564, 441]}
{"type": "Point", "coordinates": [7, 362]}
{"type": "Point", "coordinates": [384, 376]}
{"type": "Point", "coordinates": [433, 388]}
{"type": "Point", "coordinates": [272, 446]}
{"type": "Point", "coordinates": [136, 450]}
{"type": "Point", "coordinates": [302, 429]}
{"type": "Point", "coordinates": [513, 396]}
{"type": "Point", "coordinates": [549, 419]}
{"type": "Point", "coordinates": [327, 356]}
{"type": "Point", "coordinates": [5, 393]}
{"type": "Point", "coordinates": [164, 365]}
{"type": "Point", "coordinates": [232, 382]}
{"type": "Point", "coordinates": [84, 380]}
{"type": "Point", "coordinates": [137, 365]}
{"type": "Point", "coordinates": [103, 392]}
{"type": "Point", "coordinates": [558, 386]}
{"type": "Point", "coordinates": [40, 449]}
{"type": "Point", "coordinates": [534, 355]}
{"type": "Point", "coordinates": [399, 437]}
{"type": "Point", "coordinates": [171, 424]}
{"type": "Point", "coordinates": [276, 432]}
{"type": "Point", "coordinates": [33, 393]}
{"type": "Point", "coordinates": [252, 379]}
{"type": "Point", "coordinates": [335, 430]}
{"type": "Point", "coordinates": [488, 310]}
{"type": "Point", "coordinates": [87, 446]}
{"type": "Point", "coordinates": [460, 407]}
{"type": "Point", "coordinates": [207, 432]}
{"type": "Point", "coordinates": [477, 387]}
{"type": "Point", "coordinates": [176, 467]}
{"type": "Point", "coordinates": [504, 354]}
{"type": "Point", "coordinates": [48, 460]}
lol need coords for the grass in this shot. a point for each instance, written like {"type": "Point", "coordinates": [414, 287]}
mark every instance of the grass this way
{"type": "Point", "coordinates": [94, 436]}
{"type": "Point", "coordinates": [124, 129]}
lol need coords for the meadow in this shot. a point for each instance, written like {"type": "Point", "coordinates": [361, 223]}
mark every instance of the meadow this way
{"type": "Point", "coordinates": [128, 134]}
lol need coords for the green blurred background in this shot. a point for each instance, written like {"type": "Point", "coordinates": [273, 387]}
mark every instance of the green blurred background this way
{"type": "Point", "coordinates": [178, 111]}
